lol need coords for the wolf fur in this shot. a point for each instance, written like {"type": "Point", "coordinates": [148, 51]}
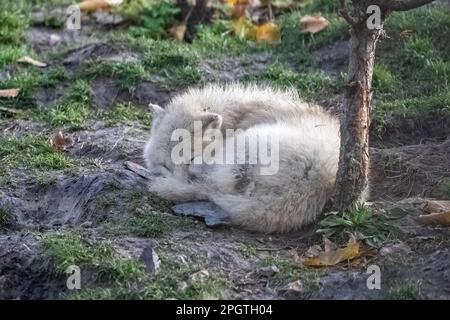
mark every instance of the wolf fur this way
{"type": "Point", "coordinates": [286, 201]}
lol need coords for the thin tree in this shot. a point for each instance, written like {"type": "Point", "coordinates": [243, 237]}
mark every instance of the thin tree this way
{"type": "Point", "coordinates": [366, 19]}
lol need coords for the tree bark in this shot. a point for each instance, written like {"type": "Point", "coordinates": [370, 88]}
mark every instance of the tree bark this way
{"type": "Point", "coordinates": [353, 172]}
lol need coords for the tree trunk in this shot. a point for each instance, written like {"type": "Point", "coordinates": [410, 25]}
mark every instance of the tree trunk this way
{"type": "Point", "coordinates": [352, 176]}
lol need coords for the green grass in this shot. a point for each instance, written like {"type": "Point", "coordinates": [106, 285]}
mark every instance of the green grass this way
{"type": "Point", "coordinates": [72, 110]}
{"type": "Point", "coordinates": [70, 248]}
{"type": "Point", "coordinates": [292, 271]}
{"type": "Point", "coordinates": [126, 113]}
{"type": "Point", "coordinates": [405, 290]}
{"type": "Point", "coordinates": [310, 84]}
{"type": "Point", "coordinates": [6, 216]}
{"type": "Point", "coordinates": [164, 285]}
{"type": "Point", "coordinates": [32, 152]}
{"type": "Point", "coordinates": [373, 227]}
{"type": "Point", "coordinates": [412, 72]}
{"type": "Point", "coordinates": [146, 215]}
{"type": "Point", "coordinates": [128, 74]}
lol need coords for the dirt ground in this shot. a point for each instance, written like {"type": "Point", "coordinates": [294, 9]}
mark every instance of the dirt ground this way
{"type": "Point", "coordinates": [409, 161]}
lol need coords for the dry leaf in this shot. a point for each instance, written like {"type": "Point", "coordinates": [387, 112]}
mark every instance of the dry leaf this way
{"type": "Point", "coordinates": [10, 110]}
{"type": "Point", "coordinates": [60, 142]}
{"type": "Point", "coordinates": [333, 257]}
{"type": "Point", "coordinates": [30, 60]}
{"type": "Point", "coordinates": [436, 206]}
{"type": "Point", "coordinates": [268, 32]}
{"type": "Point", "coordinates": [313, 24]}
{"type": "Point", "coordinates": [244, 28]}
{"type": "Point", "coordinates": [9, 93]}
{"type": "Point", "coordinates": [441, 218]}
{"type": "Point", "coordinates": [178, 31]}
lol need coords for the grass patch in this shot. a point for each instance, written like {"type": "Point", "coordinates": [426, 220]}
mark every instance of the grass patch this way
{"type": "Point", "coordinates": [126, 113]}
{"type": "Point", "coordinates": [309, 84]}
{"type": "Point", "coordinates": [178, 64]}
{"type": "Point", "coordinates": [33, 152]}
{"type": "Point", "coordinates": [164, 285]}
{"type": "Point", "coordinates": [70, 248]}
{"type": "Point", "coordinates": [127, 74]}
{"type": "Point", "coordinates": [72, 110]}
{"type": "Point", "coordinates": [292, 271]}
{"type": "Point", "coordinates": [147, 215]}
{"type": "Point", "coordinates": [405, 290]}
{"type": "Point", "coordinates": [374, 228]}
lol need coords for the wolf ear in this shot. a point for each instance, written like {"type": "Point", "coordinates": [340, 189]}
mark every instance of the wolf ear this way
{"type": "Point", "coordinates": [156, 110]}
{"type": "Point", "coordinates": [211, 121]}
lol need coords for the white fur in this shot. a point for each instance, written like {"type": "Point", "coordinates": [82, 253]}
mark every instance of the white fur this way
{"type": "Point", "coordinates": [285, 201]}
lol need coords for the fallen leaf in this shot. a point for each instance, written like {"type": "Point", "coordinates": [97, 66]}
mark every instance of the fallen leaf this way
{"type": "Point", "coordinates": [9, 93]}
{"type": "Point", "coordinates": [178, 31]}
{"type": "Point", "coordinates": [333, 257]}
{"type": "Point", "coordinates": [436, 206]}
{"type": "Point", "coordinates": [60, 142]}
{"type": "Point", "coordinates": [313, 24]}
{"type": "Point", "coordinates": [30, 60]}
{"type": "Point", "coordinates": [441, 218]}
{"type": "Point", "coordinates": [10, 110]}
{"type": "Point", "coordinates": [269, 33]}
{"type": "Point", "coordinates": [244, 29]}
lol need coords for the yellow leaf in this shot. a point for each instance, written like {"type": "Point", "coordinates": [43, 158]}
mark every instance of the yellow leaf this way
{"type": "Point", "coordinates": [244, 28]}
{"type": "Point", "coordinates": [333, 257]}
{"type": "Point", "coordinates": [30, 60]}
{"type": "Point", "coordinates": [9, 93]}
{"type": "Point", "coordinates": [313, 24]}
{"type": "Point", "coordinates": [442, 218]}
{"type": "Point", "coordinates": [268, 32]}
{"type": "Point", "coordinates": [178, 31]}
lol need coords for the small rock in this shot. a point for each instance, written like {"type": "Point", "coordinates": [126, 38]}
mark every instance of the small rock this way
{"type": "Point", "coordinates": [181, 287]}
{"type": "Point", "coordinates": [199, 276]}
{"type": "Point", "coordinates": [293, 290]}
{"type": "Point", "coordinates": [268, 271]}
{"type": "Point", "coordinates": [150, 259]}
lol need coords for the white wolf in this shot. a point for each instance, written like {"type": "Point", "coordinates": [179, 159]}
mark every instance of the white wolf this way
{"type": "Point", "coordinates": [286, 201]}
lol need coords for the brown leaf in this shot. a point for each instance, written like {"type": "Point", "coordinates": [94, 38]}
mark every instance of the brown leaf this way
{"type": "Point", "coordinates": [269, 33]}
{"type": "Point", "coordinates": [440, 218]}
{"type": "Point", "coordinates": [30, 60]}
{"type": "Point", "coordinates": [9, 93]}
{"type": "Point", "coordinates": [333, 257]}
{"type": "Point", "coordinates": [313, 24]}
{"type": "Point", "coordinates": [178, 31]}
{"type": "Point", "coordinates": [60, 142]}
